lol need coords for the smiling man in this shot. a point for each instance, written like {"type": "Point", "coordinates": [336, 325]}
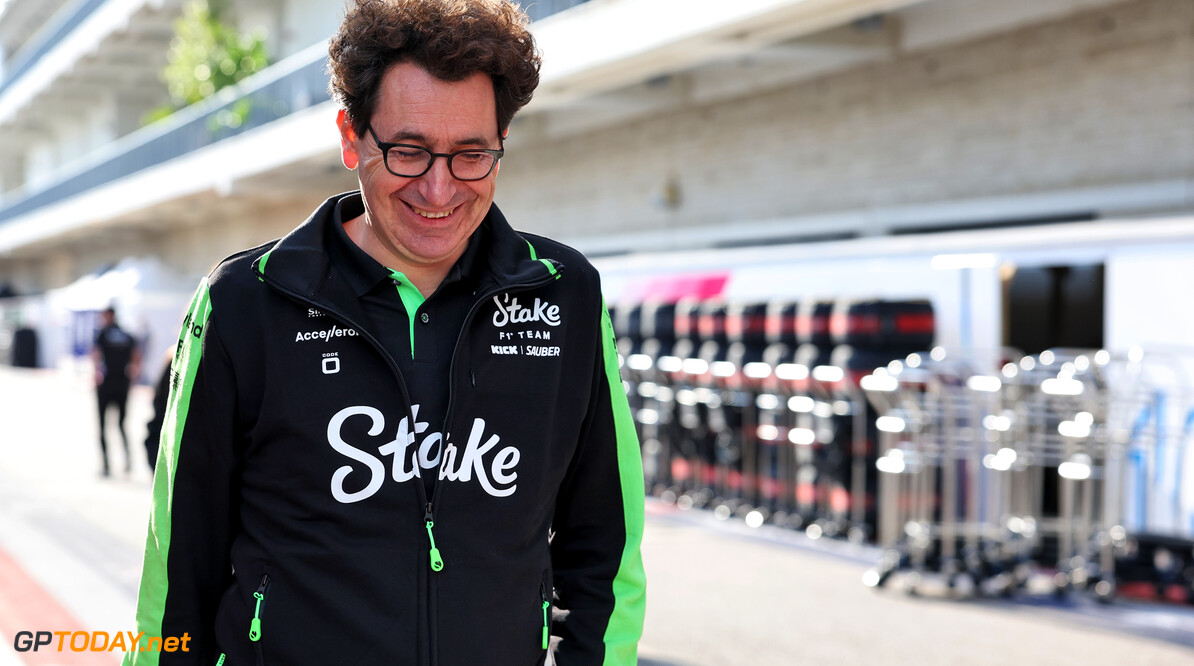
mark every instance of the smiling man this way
{"type": "Point", "coordinates": [398, 435]}
{"type": "Point", "coordinates": [419, 215]}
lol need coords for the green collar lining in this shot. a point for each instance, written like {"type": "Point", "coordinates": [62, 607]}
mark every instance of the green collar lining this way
{"type": "Point", "coordinates": [412, 299]}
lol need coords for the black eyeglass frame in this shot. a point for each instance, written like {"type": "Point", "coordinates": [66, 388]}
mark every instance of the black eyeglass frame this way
{"type": "Point", "coordinates": [385, 147]}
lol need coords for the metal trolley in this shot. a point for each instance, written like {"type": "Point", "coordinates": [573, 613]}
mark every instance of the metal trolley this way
{"type": "Point", "coordinates": [1061, 468]}
{"type": "Point", "coordinates": [991, 472]}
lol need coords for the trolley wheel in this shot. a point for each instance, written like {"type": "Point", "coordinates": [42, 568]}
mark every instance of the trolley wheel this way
{"type": "Point", "coordinates": [1008, 590]}
{"type": "Point", "coordinates": [1104, 591]}
{"type": "Point", "coordinates": [1061, 585]}
{"type": "Point", "coordinates": [857, 534]}
{"type": "Point", "coordinates": [794, 521]}
{"type": "Point", "coordinates": [1003, 585]}
{"type": "Point", "coordinates": [876, 577]}
{"type": "Point", "coordinates": [962, 585]}
{"type": "Point", "coordinates": [912, 587]}
{"type": "Point", "coordinates": [1020, 575]}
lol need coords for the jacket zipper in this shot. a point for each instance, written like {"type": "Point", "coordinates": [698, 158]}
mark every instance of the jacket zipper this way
{"type": "Point", "coordinates": [437, 562]}
{"type": "Point", "coordinates": [364, 332]}
{"type": "Point", "coordinates": [255, 623]}
{"type": "Point", "coordinates": [435, 558]}
{"type": "Point", "coordinates": [259, 595]}
{"type": "Point", "coordinates": [546, 609]}
{"type": "Point", "coordinates": [429, 516]}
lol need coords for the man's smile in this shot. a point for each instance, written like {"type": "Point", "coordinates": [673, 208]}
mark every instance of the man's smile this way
{"type": "Point", "coordinates": [433, 215]}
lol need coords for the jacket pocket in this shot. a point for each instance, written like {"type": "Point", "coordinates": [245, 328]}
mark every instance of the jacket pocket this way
{"type": "Point", "coordinates": [259, 599]}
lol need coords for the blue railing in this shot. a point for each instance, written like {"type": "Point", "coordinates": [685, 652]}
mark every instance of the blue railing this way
{"type": "Point", "coordinates": [296, 83]}
{"type": "Point", "coordinates": [67, 20]}
{"type": "Point", "coordinates": [256, 101]}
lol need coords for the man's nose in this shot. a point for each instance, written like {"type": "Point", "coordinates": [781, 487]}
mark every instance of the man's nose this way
{"type": "Point", "coordinates": [439, 186]}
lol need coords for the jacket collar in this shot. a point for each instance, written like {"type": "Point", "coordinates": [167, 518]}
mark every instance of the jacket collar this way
{"type": "Point", "coordinates": [300, 261]}
{"type": "Point", "coordinates": [364, 273]}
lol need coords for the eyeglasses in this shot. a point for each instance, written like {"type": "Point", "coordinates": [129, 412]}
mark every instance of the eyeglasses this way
{"type": "Point", "coordinates": [407, 161]}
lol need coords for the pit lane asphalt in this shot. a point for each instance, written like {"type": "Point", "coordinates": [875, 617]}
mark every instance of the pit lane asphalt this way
{"type": "Point", "coordinates": [720, 593]}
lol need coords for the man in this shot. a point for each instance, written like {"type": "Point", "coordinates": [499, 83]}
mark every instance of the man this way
{"type": "Point", "coordinates": [117, 361]}
{"type": "Point", "coordinates": [161, 393]}
{"type": "Point", "coordinates": [398, 435]}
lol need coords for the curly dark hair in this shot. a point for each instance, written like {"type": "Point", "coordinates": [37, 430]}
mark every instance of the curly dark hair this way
{"type": "Point", "coordinates": [451, 39]}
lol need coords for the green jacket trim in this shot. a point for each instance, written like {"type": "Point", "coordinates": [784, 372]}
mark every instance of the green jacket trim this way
{"type": "Point", "coordinates": [551, 267]}
{"type": "Point", "coordinates": [625, 626]}
{"type": "Point", "coordinates": [151, 600]}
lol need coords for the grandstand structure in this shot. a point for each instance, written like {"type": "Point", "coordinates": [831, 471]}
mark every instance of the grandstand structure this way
{"type": "Point", "coordinates": [671, 125]}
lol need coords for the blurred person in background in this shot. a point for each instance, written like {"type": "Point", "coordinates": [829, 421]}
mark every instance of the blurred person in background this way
{"type": "Point", "coordinates": [117, 360]}
{"type": "Point", "coordinates": [161, 394]}
{"type": "Point", "coordinates": [398, 435]}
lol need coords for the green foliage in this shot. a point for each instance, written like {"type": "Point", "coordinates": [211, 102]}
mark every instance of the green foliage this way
{"type": "Point", "coordinates": [206, 56]}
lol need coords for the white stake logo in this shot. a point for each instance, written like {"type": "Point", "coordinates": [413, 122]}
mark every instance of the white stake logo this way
{"type": "Point", "coordinates": [496, 476]}
{"type": "Point", "coordinates": [510, 311]}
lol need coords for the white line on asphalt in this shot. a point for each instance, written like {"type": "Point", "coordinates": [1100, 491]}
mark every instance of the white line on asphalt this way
{"type": "Point", "coordinates": [90, 598]}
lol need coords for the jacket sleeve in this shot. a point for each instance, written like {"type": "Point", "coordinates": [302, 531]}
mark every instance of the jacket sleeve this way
{"type": "Point", "coordinates": [599, 580]}
{"type": "Point", "coordinates": [187, 559]}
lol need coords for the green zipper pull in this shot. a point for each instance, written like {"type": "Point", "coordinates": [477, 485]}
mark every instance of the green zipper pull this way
{"type": "Point", "coordinates": [437, 562]}
{"type": "Point", "coordinates": [255, 625]}
{"type": "Point", "coordinates": [259, 595]}
{"type": "Point", "coordinates": [546, 605]}
{"type": "Point", "coordinates": [221, 660]}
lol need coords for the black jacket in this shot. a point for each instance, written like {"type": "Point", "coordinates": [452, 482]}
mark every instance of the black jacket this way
{"type": "Point", "coordinates": [287, 528]}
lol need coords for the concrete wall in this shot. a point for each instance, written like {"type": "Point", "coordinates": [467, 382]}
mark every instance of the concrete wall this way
{"type": "Point", "coordinates": [290, 25]}
{"type": "Point", "coordinates": [311, 21]}
{"type": "Point", "coordinates": [74, 136]}
{"type": "Point", "coordinates": [1099, 99]}
{"type": "Point", "coordinates": [193, 251]}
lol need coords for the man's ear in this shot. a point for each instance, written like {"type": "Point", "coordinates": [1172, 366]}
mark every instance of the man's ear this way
{"type": "Point", "coordinates": [348, 141]}
{"type": "Point", "coordinates": [498, 166]}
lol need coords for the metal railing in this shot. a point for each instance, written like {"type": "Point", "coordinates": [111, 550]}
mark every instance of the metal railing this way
{"type": "Point", "coordinates": [68, 19]}
{"type": "Point", "coordinates": [294, 84]}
